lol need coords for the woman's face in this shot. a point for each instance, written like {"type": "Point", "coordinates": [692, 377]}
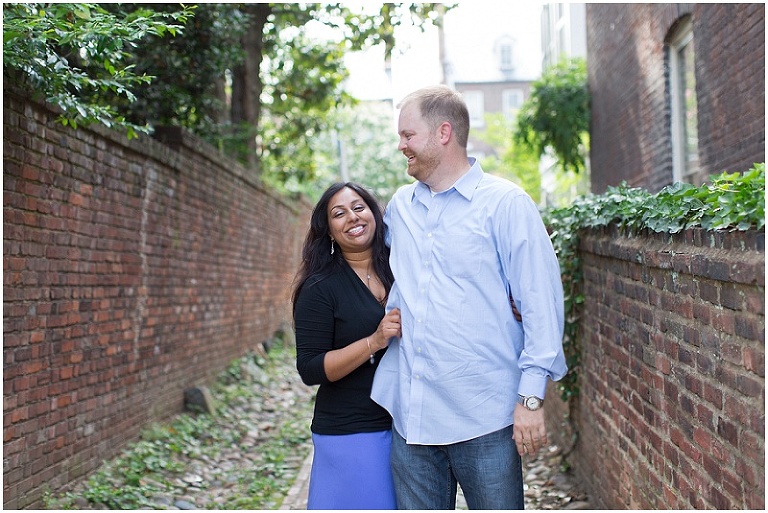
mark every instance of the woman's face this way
{"type": "Point", "coordinates": [351, 221]}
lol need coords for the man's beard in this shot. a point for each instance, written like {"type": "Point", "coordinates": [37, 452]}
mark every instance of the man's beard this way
{"type": "Point", "coordinates": [426, 161]}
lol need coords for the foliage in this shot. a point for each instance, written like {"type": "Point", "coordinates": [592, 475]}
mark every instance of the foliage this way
{"type": "Point", "coordinates": [363, 136]}
{"type": "Point", "coordinates": [732, 201]}
{"type": "Point", "coordinates": [189, 70]}
{"type": "Point", "coordinates": [51, 44]}
{"type": "Point", "coordinates": [517, 163]}
{"type": "Point", "coordinates": [365, 28]}
{"type": "Point", "coordinates": [152, 466]}
{"type": "Point", "coordinates": [265, 486]}
{"type": "Point", "coordinates": [302, 85]}
{"type": "Point", "coordinates": [303, 82]}
{"type": "Point", "coordinates": [556, 115]}
{"type": "Point", "coordinates": [369, 142]}
{"type": "Point", "coordinates": [255, 80]}
{"type": "Point", "coordinates": [130, 480]}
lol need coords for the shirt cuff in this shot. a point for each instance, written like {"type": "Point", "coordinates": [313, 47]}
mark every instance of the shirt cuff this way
{"type": "Point", "coordinates": [533, 385]}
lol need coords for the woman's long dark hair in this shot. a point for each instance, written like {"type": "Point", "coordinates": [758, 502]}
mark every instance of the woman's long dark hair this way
{"type": "Point", "coordinates": [316, 258]}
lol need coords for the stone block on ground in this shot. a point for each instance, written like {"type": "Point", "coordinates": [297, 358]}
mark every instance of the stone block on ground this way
{"type": "Point", "coordinates": [199, 399]}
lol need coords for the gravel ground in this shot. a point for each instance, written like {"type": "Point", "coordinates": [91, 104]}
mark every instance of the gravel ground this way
{"type": "Point", "coordinates": [268, 466]}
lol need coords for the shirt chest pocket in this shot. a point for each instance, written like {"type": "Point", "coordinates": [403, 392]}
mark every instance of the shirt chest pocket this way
{"type": "Point", "coordinates": [463, 253]}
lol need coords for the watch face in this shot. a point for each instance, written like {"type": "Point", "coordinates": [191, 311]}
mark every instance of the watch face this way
{"type": "Point", "coordinates": [532, 403]}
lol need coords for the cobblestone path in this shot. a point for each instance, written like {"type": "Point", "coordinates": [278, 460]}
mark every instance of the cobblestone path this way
{"type": "Point", "coordinates": [227, 477]}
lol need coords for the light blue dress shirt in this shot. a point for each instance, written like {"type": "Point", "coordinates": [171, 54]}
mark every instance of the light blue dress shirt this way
{"type": "Point", "coordinates": [463, 358]}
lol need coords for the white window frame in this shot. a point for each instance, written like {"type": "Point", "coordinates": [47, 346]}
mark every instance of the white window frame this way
{"type": "Point", "coordinates": [511, 101]}
{"type": "Point", "coordinates": [680, 169]}
{"type": "Point", "coordinates": [506, 56]}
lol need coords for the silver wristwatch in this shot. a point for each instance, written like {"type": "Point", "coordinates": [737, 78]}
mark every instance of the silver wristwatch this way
{"type": "Point", "coordinates": [531, 402]}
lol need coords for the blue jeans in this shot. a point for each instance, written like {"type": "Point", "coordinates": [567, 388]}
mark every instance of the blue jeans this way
{"type": "Point", "coordinates": [488, 468]}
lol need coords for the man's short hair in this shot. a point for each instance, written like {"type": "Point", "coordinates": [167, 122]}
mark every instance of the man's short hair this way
{"type": "Point", "coordinates": [438, 104]}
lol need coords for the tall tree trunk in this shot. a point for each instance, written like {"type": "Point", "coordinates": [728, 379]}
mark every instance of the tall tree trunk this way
{"type": "Point", "coordinates": [246, 81]}
{"type": "Point", "coordinates": [444, 68]}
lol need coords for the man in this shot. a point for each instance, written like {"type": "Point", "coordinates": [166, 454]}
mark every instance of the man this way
{"type": "Point", "coordinates": [461, 243]}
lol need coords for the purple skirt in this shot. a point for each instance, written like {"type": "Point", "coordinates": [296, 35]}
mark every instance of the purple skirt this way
{"type": "Point", "coordinates": [351, 472]}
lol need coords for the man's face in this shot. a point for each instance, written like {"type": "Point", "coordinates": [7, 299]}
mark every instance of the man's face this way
{"type": "Point", "coordinates": [418, 143]}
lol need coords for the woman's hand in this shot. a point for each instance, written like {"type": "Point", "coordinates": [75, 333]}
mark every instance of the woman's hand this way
{"type": "Point", "coordinates": [388, 327]}
{"type": "Point", "coordinates": [338, 363]}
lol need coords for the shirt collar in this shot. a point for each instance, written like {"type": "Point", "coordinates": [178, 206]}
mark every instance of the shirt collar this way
{"type": "Point", "coordinates": [465, 185]}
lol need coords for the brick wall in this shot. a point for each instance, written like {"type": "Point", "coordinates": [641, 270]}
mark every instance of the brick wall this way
{"type": "Point", "coordinates": [628, 80]}
{"type": "Point", "coordinates": [672, 406]}
{"type": "Point", "coordinates": [131, 272]}
{"type": "Point", "coordinates": [731, 105]}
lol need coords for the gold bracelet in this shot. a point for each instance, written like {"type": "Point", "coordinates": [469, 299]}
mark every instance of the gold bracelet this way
{"type": "Point", "coordinates": [372, 359]}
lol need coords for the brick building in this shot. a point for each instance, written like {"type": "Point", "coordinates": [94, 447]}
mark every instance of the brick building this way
{"type": "Point", "coordinates": [492, 97]}
{"type": "Point", "coordinates": [678, 91]}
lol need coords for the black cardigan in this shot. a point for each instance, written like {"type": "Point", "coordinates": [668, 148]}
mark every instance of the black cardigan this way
{"type": "Point", "coordinates": [331, 312]}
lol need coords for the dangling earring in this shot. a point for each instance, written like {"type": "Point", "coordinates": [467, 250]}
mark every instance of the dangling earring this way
{"type": "Point", "coordinates": [331, 246]}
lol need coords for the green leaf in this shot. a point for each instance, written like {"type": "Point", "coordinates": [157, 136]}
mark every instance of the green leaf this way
{"type": "Point", "coordinates": [11, 35]}
{"type": "Point", "coordinates": [82, 11]}
{"type": "Point", "coordinates": [59, 46]}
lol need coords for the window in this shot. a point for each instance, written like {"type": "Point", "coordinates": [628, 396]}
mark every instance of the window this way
{"type": "Point", "coordinates": [511, 100]}
{"type": "Point", "coordinates": [682, 80]}
{"type": "Point", "coordinates": [506, 57]}
{"type": "Point", "coordinates": [504, 52]}
{"type": "Point", "coordinates": [476, 107]}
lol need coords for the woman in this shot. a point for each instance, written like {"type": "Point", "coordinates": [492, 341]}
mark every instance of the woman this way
{"type": "Point", "coordinates": [341, 333]}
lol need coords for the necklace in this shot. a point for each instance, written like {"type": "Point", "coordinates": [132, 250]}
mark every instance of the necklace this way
{"type": "Point", "coordinates": [367, 275]}
{"type": "Point", "coordinates": [382, 300]}
{"type": "Point", "coordinates": [367, 282]}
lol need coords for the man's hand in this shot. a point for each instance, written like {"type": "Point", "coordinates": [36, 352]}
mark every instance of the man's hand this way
{"type": "Point", "coordinates": [529, 431]}
{"type": "Point", "coordinates": [515, 311]}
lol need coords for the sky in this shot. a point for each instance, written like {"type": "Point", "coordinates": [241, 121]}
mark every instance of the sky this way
{"type": "Point", "coordinates": [471, 29]}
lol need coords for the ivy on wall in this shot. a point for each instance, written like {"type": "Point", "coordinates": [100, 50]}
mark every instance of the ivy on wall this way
{"type": "Point", "coordinates": [731, 201]}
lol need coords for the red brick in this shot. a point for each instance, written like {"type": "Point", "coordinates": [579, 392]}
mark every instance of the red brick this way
{"type": "Point", "coordinates": [86, 273]}
{"type": "Point", "coordinates": [694, 410]}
